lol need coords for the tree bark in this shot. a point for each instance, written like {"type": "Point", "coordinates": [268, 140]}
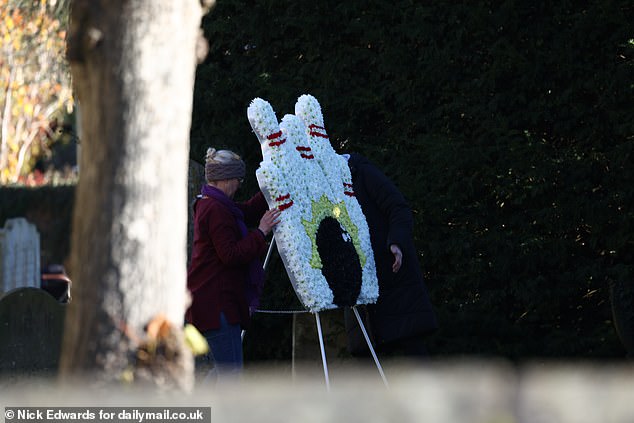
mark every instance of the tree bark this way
{"type": "Point", "coordinates": [133, 65]}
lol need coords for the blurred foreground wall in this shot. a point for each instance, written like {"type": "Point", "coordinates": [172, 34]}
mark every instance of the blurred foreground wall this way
{"type": "Point", "coordinates": [439, 392]}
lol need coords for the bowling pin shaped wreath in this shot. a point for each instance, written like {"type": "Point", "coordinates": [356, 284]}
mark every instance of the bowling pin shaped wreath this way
{"type": "Point", "coordinates": [322, 237]}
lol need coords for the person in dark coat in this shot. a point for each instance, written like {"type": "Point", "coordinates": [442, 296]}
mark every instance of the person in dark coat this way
{"type": "Point", "coordinates": [225, 276]}
{"type": "Point", "coordinates": [403, 313]}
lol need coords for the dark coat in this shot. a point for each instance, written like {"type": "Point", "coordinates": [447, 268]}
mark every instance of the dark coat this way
{"type": "Point", "coordinates": [220, 261]}
{"type": "Point", "coordinates": [403, 308]}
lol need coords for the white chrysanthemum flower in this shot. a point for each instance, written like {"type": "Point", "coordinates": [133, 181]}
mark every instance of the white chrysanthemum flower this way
{"type": "Point", "coordinates": [303, 176]}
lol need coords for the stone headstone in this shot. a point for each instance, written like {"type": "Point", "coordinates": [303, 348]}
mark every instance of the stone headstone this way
{"type": "Point", "coordinates": [19, 255]}
{"type": "Point", "coordinates": [31, 325]}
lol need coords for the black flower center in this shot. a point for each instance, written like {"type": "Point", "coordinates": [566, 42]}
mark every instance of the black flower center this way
{"type": "Point", "coordinates": [340, 262]}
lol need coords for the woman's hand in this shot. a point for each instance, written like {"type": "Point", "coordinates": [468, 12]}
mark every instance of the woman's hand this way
{"type": "Point", "coordinates": [269, 220]}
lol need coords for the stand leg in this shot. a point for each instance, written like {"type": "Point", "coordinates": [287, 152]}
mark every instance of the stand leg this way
{"type": "Point", "coordinates": [266, 263]}
{"type": "Point", "coordinates": [268, 254]}
{"type": "Point", "coordinates": [367, 339]}
{"type": "Point", "coordinates": [323, 351]}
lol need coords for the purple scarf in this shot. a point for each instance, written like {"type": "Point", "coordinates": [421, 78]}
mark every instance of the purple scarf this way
{"type": "Point", "coordinates": [255, 278]}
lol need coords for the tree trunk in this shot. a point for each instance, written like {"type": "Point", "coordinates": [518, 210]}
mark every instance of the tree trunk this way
{"type": "Point", "coordinates": [133, 65]}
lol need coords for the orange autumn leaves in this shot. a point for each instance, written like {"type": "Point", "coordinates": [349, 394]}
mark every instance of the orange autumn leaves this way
{"type": "Point", "coordinates": [34, 83]}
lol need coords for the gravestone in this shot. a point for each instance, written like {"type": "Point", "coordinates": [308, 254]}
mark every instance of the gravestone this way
{"type": "Point", "coordinates": [19, 255]}
{"type": "Point", "coordinates": [31, 325]}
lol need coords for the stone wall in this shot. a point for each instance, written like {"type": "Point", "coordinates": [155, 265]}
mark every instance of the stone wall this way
{"type": "Point", "coordinates": [439, 392]}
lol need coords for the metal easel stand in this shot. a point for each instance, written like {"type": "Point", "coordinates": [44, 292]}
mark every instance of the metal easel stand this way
{"type": "Point", "coordinates": [323, 351]}
{"type": "Point", "coordinates": [321, 336]}
{"type": "Point", "coordinates": [266, 263]}
{"type": "Point", "coordinates": [367, 340]}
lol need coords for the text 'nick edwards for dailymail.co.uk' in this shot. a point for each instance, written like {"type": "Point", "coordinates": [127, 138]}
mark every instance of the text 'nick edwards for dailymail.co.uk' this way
{"type": "Point", "coordinates": [108, 414]}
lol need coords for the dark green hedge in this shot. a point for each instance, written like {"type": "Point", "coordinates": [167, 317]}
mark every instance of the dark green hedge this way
{"type": "Point", "coordinates": [506, 124]}
{"type": "Point", "coordinates": [50, 209]}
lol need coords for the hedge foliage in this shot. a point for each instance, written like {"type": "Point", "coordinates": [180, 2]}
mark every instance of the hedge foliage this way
{"type": "Point", "coordinates": [50, 209]}
{"type": "Point", "coordinates": [507, 125]}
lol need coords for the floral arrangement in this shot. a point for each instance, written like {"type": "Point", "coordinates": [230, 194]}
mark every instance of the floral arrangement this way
{"type": "Point", "coordinates": [322, 237]}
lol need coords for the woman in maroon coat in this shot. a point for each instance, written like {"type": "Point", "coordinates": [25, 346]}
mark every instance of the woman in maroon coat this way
{"type": "Point", "coordinates": [225, 276]}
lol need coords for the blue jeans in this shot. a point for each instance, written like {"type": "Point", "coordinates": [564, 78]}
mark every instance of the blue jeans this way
{"type": "Point", "coordinates": [225, 350]}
